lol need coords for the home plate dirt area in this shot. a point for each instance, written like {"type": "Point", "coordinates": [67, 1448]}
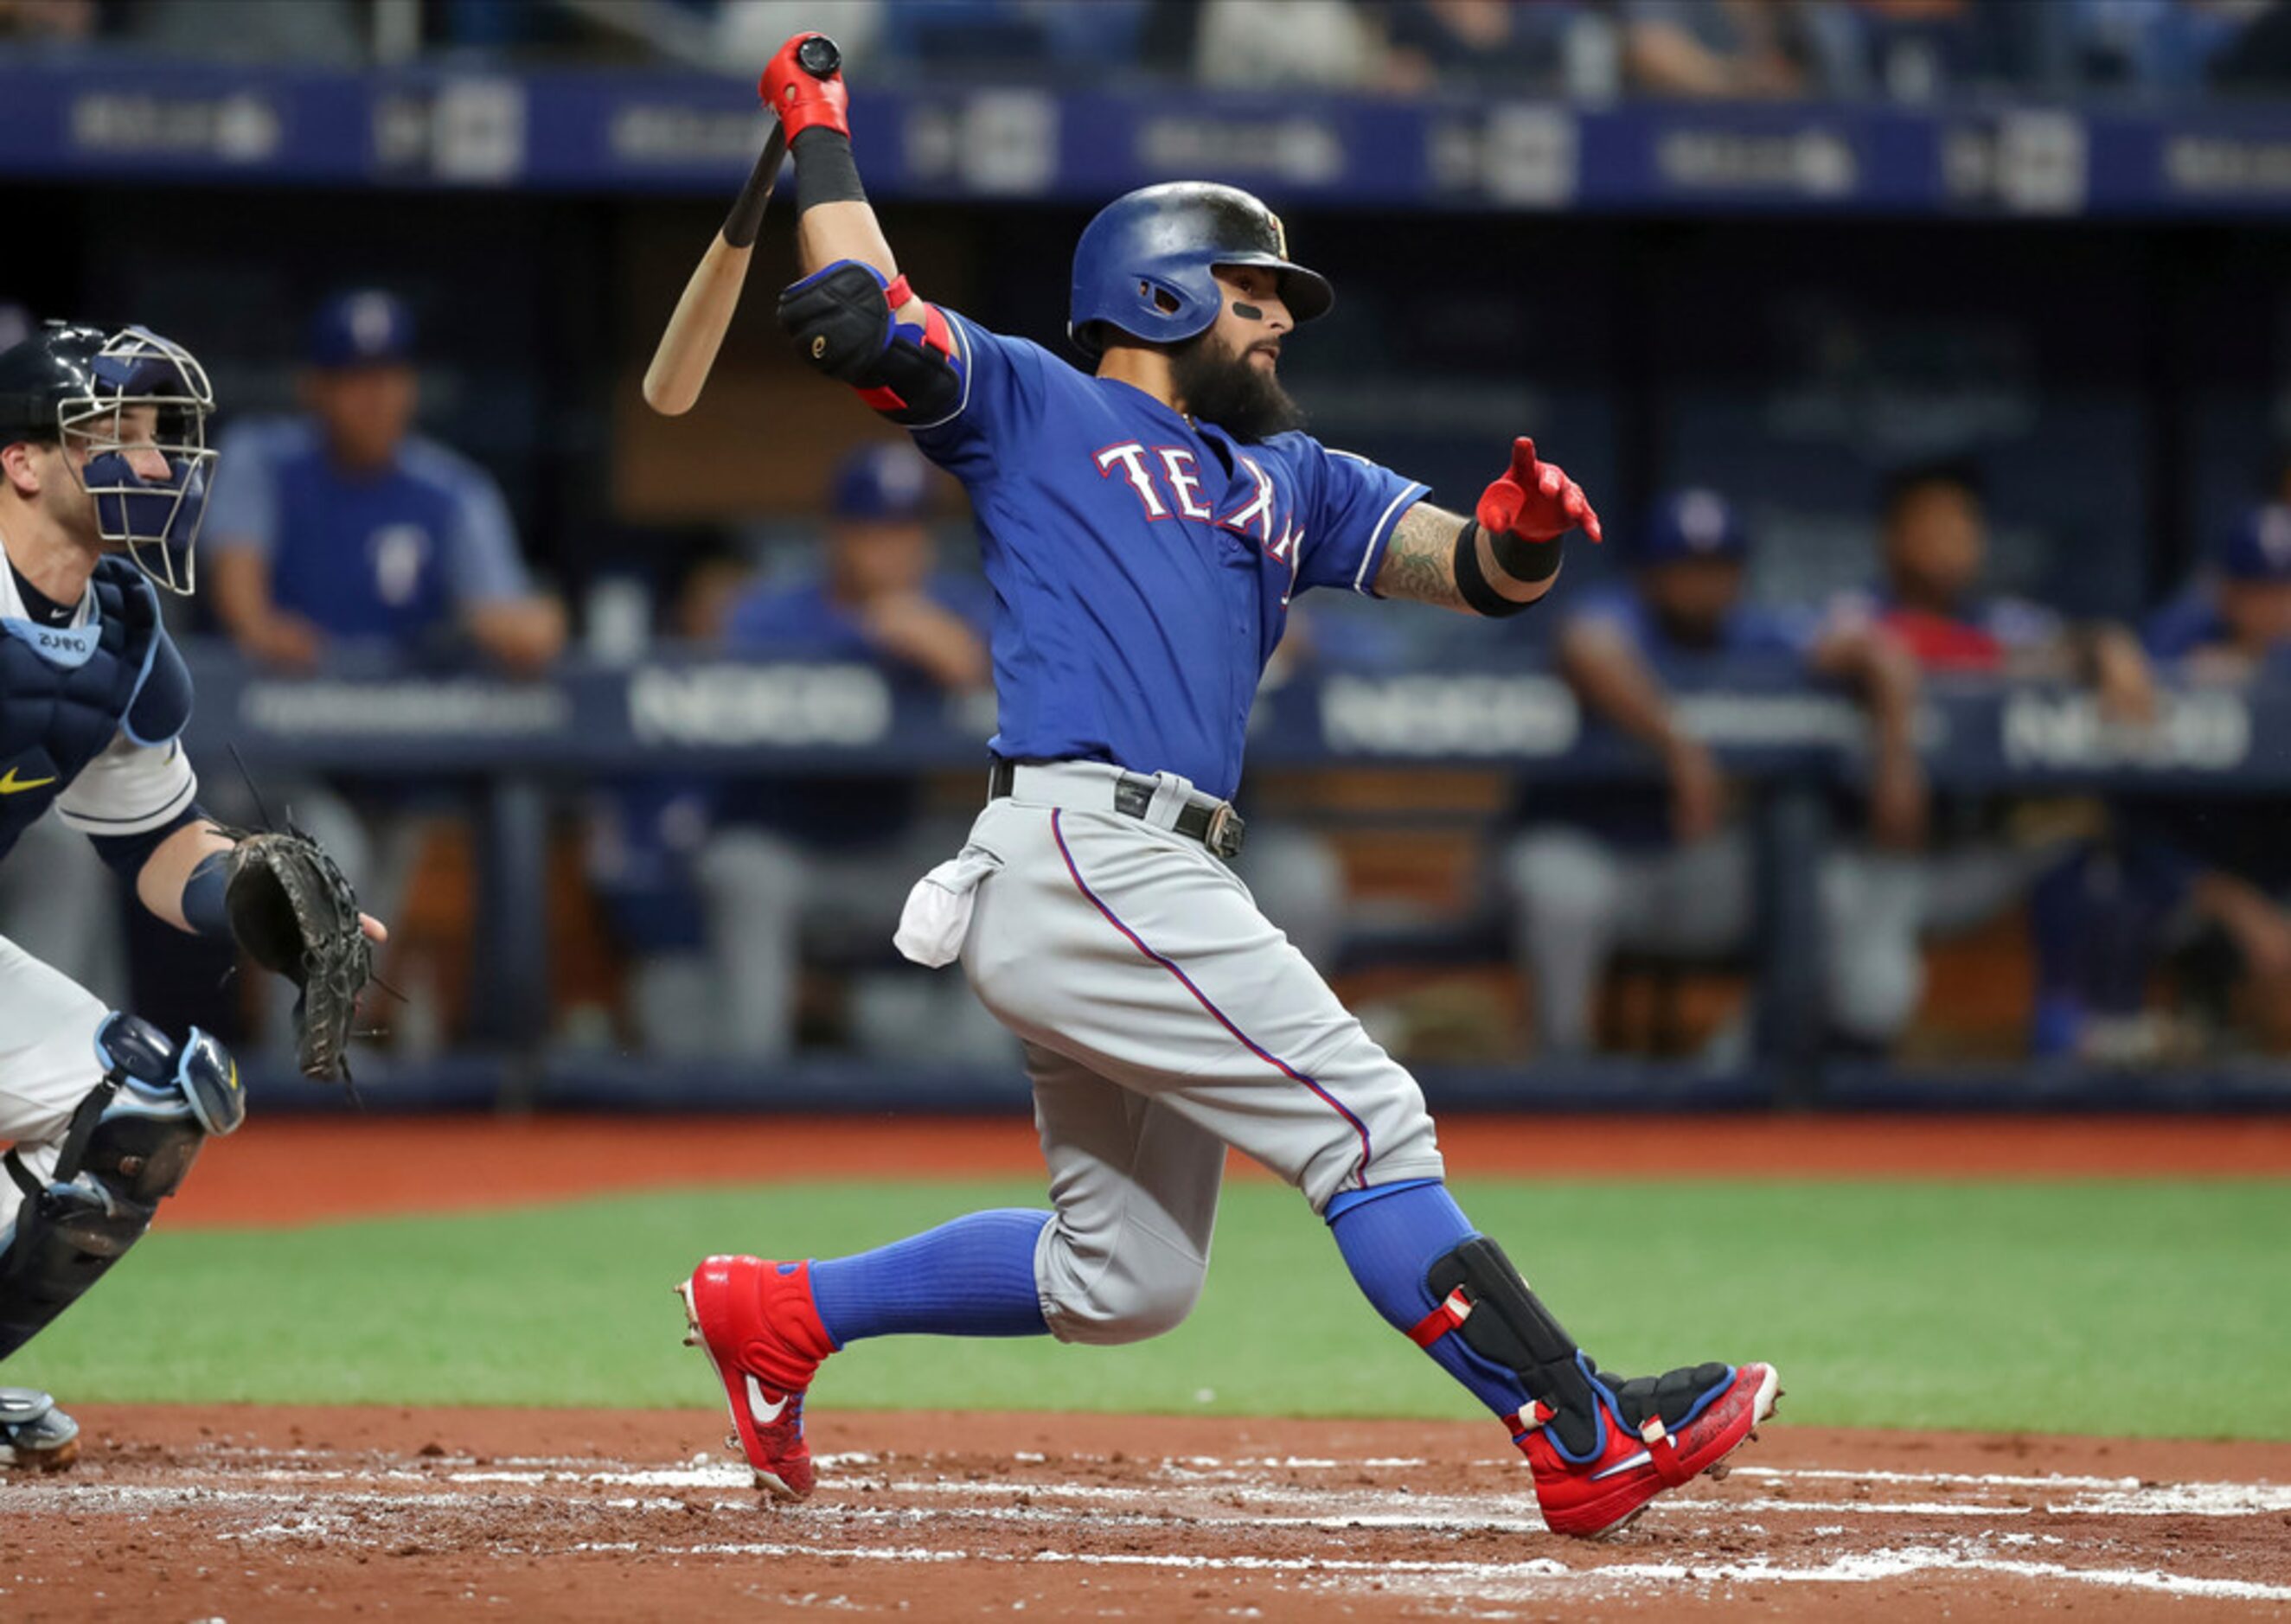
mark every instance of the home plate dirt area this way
{"type": "Point", "coordinates": [244, 1513]}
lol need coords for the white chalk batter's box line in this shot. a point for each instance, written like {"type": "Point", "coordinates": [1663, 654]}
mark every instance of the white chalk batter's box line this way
{"type": "Point", "coordinates": [2116, 1496]}
{"type": "Point", "coordinates": [1426, 1513]}
{"type": "Point", "coordinates": [1534, 1579]}
{"type": "Point", "coordinates": [1526, 1580]}
{"type": "Point", "coordinates": [2121, 1496]}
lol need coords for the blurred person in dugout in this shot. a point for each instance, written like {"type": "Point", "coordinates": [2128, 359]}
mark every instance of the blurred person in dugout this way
{"type": "Point", "coordinates": [800, 866]}
{"type": "Point", "coordinates": [1986, 852]}
{"type": "Point", "coordinates": [1669, 870]}
{"type": "Point", "coordinates": [58, 902]}
{"type": "Point", "coordinates": [2194, 886]}
{"type": "Point", "coordinates": [1401, 47]}
{"type": "Point", "coordinates": [341, 538]}
{"type": "Point", "coordinates": [1742, 48]}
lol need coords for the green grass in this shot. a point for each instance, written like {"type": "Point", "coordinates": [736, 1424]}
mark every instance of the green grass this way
{"type": "Point", "coordinates": [2156, 1308]}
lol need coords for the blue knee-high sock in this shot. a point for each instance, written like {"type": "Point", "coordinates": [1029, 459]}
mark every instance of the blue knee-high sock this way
{"type": "Point", "coordinates": [1391, 1236]}
{"type": "Point", "coordinates": [973, 1277]}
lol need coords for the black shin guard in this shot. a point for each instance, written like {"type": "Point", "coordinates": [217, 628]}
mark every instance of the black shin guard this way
{"type": "Point", "coordinates": [65, 1238]}
{"type": "Point", "coordinates": [130, 1145]}
{"type": "Point", "coordinates": [1504, 1321]}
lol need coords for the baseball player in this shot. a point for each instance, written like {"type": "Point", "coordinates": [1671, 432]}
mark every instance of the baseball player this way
{"type": "Point", "coordinates": [1144, 527]}
{"type": "Point", "coordinates": [103, 452]}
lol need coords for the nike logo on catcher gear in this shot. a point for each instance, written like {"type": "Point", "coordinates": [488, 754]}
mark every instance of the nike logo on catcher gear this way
{"type": "Point", "coordinates": [764, 1413]}
{"type": "Point", "coordinates": [1642, 1459]}
{"type": "Point", "coordinates": [13, 786]}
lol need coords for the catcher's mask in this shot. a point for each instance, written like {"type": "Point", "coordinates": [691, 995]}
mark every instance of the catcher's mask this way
{"type": "Point", "coordinates": [79, 385]}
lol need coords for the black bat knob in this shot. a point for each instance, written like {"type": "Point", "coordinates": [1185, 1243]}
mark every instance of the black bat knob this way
{"type": "Point", "coordinates": [818, 57]}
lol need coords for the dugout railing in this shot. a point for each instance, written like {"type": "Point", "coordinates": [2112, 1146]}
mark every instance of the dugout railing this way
{"type": "Point", "coordinates": [520, 752]}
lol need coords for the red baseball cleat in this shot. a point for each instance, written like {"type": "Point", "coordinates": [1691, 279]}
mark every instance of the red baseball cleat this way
{"type": "Point", "coordinates": [1639, 1453]}
{"type": "Point", "coordinates": [756, 1322]}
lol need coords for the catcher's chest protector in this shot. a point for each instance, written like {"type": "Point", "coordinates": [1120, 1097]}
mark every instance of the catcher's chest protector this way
{"type": "Point", "coordinates": [66, 691]}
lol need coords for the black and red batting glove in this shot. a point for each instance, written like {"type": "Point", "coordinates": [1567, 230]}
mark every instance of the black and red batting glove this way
{"type": "Point", "coordinates": [803, 98]}
{"type": "Point", "coordinates": [1535, 500]}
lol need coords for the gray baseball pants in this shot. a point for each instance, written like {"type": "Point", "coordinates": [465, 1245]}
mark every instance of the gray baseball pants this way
{"type": "Point", "coordinates": [1164, 1019]}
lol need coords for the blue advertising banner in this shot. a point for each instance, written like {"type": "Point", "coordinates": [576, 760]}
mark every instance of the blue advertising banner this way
{"type": "Point", "coordinates": [713, 715]}
{"type": "Point", "coordinates": [639, 133]}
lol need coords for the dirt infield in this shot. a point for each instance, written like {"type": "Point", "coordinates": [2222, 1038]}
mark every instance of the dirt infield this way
{"type": "Point", "coordinates": [290, 1170]}
{"type": "Point", "coordinates": [255, 1514]}
{"type": "Point", "coordinates": [246, 1513]}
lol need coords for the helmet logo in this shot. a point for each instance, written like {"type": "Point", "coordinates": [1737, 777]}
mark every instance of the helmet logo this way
{"type": "Point", "coordinates": [1280, 234]}
{"type": "Point", "coordinates": [819, 346]}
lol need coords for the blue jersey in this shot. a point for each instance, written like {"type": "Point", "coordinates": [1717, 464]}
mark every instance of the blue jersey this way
{"type": "Point", "coordinates": [392, 556]}
{"type": "Point", "coordinates": [2194, 622]}
{"type": "Point", "coordinates": [2190, 621]}
{"type": "Point", "coordinates": [1142, 563]}
{"type": "Point", "coordinates": [803, 622]}
{"type": "Point", "coordinates": [1746, 632]}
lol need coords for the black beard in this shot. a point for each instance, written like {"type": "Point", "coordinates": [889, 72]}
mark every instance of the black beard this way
{"type": "Point", "coordinates": [1220, 386]}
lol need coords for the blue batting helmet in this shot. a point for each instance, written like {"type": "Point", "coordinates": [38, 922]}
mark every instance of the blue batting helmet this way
{"type": "Point", "coordinates": [1146, 264]}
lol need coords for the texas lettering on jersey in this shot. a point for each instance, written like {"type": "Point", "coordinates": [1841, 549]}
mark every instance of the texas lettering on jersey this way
{"type": "Point", "coordinates": [1180, 479]}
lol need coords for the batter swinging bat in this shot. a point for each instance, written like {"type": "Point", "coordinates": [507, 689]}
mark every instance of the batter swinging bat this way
{"type": "Point", "coordinates": [687, 347]}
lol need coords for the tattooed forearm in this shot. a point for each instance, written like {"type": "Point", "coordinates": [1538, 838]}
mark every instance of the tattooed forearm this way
{"type": "Point", "coordinates": [1419, 562]}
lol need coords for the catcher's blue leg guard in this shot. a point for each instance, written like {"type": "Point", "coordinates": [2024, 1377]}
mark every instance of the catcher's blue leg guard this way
{"type": "Point", "coordinates": [130, 1143]}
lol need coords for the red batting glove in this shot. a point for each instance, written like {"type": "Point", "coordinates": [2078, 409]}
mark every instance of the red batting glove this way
{"type": "Point", "coordinates": [1536, 499]}
{"type": "Point", "coordinates": [802, 101]}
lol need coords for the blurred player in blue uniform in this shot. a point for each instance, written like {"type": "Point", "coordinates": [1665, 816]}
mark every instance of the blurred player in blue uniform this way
{"type": "Point", "coordinates": [797, 861]}
{"type": "Point", "coordinates": [341, 533]}
{"type": "Point", "coordinates": [343, 526]}
{"type": "Point", "coordinates": [1669, 873]}
{"type": "Point", "coordinates": [2200, 883]}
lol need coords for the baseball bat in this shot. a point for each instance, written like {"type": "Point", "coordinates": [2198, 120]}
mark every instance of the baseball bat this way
{"type": "Point", "coordinates": [704, 312]}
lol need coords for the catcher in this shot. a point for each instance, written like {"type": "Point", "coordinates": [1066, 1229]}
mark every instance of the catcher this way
{"type": "Point", "coordinates": [103, 453]}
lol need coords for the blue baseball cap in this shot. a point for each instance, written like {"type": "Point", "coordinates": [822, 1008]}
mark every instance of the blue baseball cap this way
{"type": "Point", "coordinates": [2258, 546]}
{"type": "Point", "coordinates": [363, 326]}
{"type": "Point", "coordinates": [1694, 523]}
{"type": "Point", "coordinates": [884, 483]}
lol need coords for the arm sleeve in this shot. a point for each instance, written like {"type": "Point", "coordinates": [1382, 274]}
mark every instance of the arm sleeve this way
{"type": "Point", "coordinates": [130, 789]}
{"type": "Point", "coordinates": [126, 854]}
{"type": "Point", "coordinates": [1351, 507]}
{"type": "Point", "coordinates": [243, 506]}
{"type": "Point", "coordinates": [482, 565]}
{"type": "Point", "coordinates": [1005, 387]}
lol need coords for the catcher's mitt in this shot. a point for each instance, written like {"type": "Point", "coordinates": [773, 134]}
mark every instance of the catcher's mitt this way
{"type": "Point", "coordinates": [295, 915]}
